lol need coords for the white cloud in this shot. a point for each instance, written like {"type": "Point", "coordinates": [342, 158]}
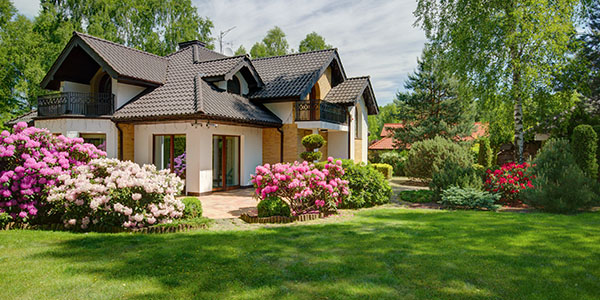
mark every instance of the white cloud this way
{"type": "Point", "coordinates": [373, 37]}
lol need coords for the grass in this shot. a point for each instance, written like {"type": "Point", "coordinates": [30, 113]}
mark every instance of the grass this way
{"type": "Point", "coordinates": [379, 254]}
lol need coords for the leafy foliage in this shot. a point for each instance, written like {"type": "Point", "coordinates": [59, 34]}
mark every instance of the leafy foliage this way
{"type": "Point", "coordinates": [273, 206]}
{"type": "Point", "coordinates": [313, 141]}
{"type": "Point", "coordinates": [396, 159]}
{"type": "Point", "coordinates": [312, 42]}
{"type": "Point", "coordinates": [434, 105]}
{"type": "Point", "coordinates": [468, 198]}
{"type": "Point", "coordinates": [4, 219]}
{"type": "Point", "coordinates": [273, 44]}
{"type": "Point", "coordinates": [193, 207]}
{"type": "Point", "coordinates": [585, 144]}
{"type": "Point", "coordinates": [427, 157]}
{"type": "Point", "coordinates": [559, 184]}
{"type": "Point", "coordinates": [508, 51]}
{"type": "Point", "coordinates": [385, 169]}
{"type": "Point", "coordinates": [417, 196]}
{"type": "Point", "coordinates": [455, 175]}
{"type": "Point", "coordinates": [367, 186]}
{"type": "Point", "coordinates": [241, 50]}
{"type": "Point", "coordinates": [484, 157]}
{"type": "Point", "coordinates": [311, 156]}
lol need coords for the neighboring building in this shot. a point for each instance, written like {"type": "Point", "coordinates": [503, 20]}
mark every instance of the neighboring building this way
{"type": "Point", "coordinates": [387, 141]}
{"type": "Point", "coordinates": [225, 115]}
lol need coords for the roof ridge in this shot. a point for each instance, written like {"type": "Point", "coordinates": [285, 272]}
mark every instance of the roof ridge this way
{"type": "Point", "coordinates": [222, 58]}
{"type": "Point", "coordinates": [293, 54]}
{"type": "Point", "coordinates": [359, 77]}
{"type": "Point", "coordinates": [117, 44]}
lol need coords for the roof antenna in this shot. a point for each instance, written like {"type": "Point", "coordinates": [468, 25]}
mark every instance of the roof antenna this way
{"type": "Point", "coordinates": [222, 34]}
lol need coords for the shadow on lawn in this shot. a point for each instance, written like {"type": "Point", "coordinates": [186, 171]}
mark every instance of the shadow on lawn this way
{"type": "Point", "coordinates": [380, 254]}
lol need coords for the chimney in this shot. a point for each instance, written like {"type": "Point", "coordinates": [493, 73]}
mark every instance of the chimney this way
{"type": "Point", "coordinates": [191, 43]}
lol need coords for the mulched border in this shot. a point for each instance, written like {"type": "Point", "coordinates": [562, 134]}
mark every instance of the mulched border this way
{"type": "Point", "coordinates": [282, 220]}
{"type": "Point", "coordinates": [107, 229]}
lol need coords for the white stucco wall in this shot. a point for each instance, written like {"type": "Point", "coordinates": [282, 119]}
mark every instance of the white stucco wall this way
{"type": "Point", "coordinates": [69, 86]}
{"type": "Point", "coordinates": [284, 110]}
{"type": "Point", "coordinates": [72, 127]}
{"type": "Point", "coordinates": [337, 144]}
{"type": "Point", "coordinates": [199, 150]}
{"type": "Point", "coordinates": [124, 92]}
{"type": "Point", "coordinates": [243, 84]}
{"type": "Point", "coordinates": [364, 133]}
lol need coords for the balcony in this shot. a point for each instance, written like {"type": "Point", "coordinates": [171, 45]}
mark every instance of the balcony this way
{"type": "Point", "coordinates": [318, 110]}
{"type": "Point", "coordinates": [76, 103]}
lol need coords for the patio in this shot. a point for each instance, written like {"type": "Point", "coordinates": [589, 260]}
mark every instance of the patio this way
{"type": "Point", "coordinates": [228, 204]}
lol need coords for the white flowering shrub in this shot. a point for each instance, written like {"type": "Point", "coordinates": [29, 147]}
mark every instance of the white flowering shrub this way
{"type": "Point", "coordinates": [111, 192]}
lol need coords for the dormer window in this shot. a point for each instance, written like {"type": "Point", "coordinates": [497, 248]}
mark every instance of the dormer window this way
{"type": "Point", "coordinates": [234, 86]}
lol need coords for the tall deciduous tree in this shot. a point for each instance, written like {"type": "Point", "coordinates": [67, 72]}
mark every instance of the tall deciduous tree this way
{"type": "Point", "coordinates": [273, 44]}
{"type": "Point", "coordinates": [434, 104]}
{"type": "Point", "coordinates": [506, 47]}
{"type": "Point", "coordinates": [591, 50]}
{"type": "Point", "coordinates": [241, 50]}
{"type": "Point", "coordinates": [312, 42]}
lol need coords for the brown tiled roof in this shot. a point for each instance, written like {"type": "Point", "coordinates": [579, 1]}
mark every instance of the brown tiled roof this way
{"type": "Point", "coordinates": [348, 91]}
{"type": "Point", "coordinates": [180, 97]}
{"type": "Point", "coordinates": [128, 62]}
{"type": "Point", "coordinates": [289, 75]}
{"type": "Point", "coordinates": [26, 117]}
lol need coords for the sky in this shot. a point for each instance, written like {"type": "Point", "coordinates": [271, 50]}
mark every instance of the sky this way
{"type": "Point", "coordinates": [375, 38]}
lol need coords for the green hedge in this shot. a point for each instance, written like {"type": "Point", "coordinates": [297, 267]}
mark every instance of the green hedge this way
{"type": "Point", "coordinates": [585, 143]}
{"type": "Point", "coordinates": [384, 169]}
{"type": "Point", "coordinates": [311, 156]}
{"type": "Point", "coordinates": [453, 174]}
{"type": "Point", "coordinates": [193, 207]}
{"type": "Point", "coordinates": [427, 157]}
{"type": "Point", "coordinates": [417, 196]}
{"type": "Point", "coordinates": [485, 153]}
{"type": "Point", "coordinates": [313, 141]}
{"type": "Point", "coordinates": [273, 206]}
{"type": "Point", "coordinates": [468, 198]}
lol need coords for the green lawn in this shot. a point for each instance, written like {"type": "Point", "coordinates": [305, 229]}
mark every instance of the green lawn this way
{"type": "Point", "coordinates": [379, 254]}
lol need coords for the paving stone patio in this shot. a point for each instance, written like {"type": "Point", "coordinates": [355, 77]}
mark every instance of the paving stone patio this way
{"type": "Point", "coordinates": [229, 204]}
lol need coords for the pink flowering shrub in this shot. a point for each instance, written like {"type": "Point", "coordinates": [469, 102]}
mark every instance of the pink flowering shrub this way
{"type": "Point", "coordinates": [508, 181]}
{"type": "Point", "coordinates": [302, 186]}
{"type": "Point", "coordinates": [30, 161]}
{"type": "Point", "coordinates": [117, 193]}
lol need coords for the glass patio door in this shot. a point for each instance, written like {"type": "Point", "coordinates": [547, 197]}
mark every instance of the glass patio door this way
{"type": "Point", "coordinates": [226, 162]}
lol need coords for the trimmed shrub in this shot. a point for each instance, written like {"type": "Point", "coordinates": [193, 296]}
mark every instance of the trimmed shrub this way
{"type": "Point", "coordinates": [193, 207]}
{"type": "Point", "coordinates": [30, 161]}
{"type": "Point", "coordinates": [110, 192]}
{"type": "Point", "coordinates": [4, 220]}
{"type": "Point", "coordinates": [455, 175]}
{"type": "Point", "coordinates": [367, 186]}
{"type": "Point", "coordinates": [311, 156]}
{"type": "Point", "coordinates": [485, 153]}
{"type": "Point", "coordinates": [417, 196]}
{"type": "Point", "coordinates": [585, 143]}
{"type": "Point", "coordinates": [313, 141]}
{"type": "Point", "coordinates": [559, 185]}
{"type": "Point", "coordinates": [384, 169]}
{"type": "Point", "coordinates": [395, 159]}
{"type": "Point", "coordinates": [427, 157]}
{"type": "Point", "coordinates": [303, 187]}
{"type": "Point", "coordinates": [468, 198]}
{"type": "Point", "coordinates": [509, 181]}
{"type": "Point", "coordinates": [273, 206]}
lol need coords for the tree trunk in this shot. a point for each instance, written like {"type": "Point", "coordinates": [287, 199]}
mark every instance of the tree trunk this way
{"type": "Point", "coordinates": [519, 139]}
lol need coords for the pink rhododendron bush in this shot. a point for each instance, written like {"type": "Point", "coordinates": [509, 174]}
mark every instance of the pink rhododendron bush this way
{"type": "Point", "coordinates": [111, 192]}
{"type": "Point", "coordinates": [303, 187]}
{"type": "Point", "coordinates": [30, 161]}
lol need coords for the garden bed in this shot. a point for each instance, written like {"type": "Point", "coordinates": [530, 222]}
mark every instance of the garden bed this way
{"type": "Point", "coordinates": [162, 228]}
{"type": "Point", "coordinates": [281, 219]}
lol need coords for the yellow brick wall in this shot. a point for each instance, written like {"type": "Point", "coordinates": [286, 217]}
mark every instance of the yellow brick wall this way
{"type": "Point", "coordinates": [128, 141]}
{"type": "Point", "coordinates": [324, 148]}
{"type": "Point", "coordinates": [324, 84]}
{"type": "Point", "coordinates": [358, 150]}
{"type": "Point", "coordinates": [290, 142]}
{"type": "Point", "coordinates": [271, 141]}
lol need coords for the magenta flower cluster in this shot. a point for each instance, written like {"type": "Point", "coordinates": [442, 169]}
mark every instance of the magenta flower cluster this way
{"type": "Point", "coordinates": [117, 193]}
{"type": "Point", "coordinates": [30, 161]}
{"type": "Point", "coordinates": [302, 186]}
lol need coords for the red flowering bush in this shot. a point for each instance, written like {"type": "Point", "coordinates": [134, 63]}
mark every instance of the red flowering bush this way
{"type": "Point", "coordinates": [508, 181]}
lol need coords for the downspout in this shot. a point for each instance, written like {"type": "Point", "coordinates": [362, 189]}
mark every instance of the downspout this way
{"type": "Point", "coordinates": [120, 155]}
{"type": "Point", "coordinates": [280, 144]}
{"type": "Point", "coordinates": [349, 132]}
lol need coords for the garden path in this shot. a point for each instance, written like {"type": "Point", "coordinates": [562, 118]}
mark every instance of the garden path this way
{"type": "Point", "coordinates": [228, 204]}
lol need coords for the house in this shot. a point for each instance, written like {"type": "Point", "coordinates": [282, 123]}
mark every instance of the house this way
{"type": "Point", "coordinates": [387, 141]}
{"type": "Point", "coordinates": [206, 116]}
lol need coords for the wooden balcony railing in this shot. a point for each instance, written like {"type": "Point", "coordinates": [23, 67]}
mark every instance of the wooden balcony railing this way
{"type": "Point", "coordinates": [76, 103]}
{"type": "Point", "coordinates": [318, 110]}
